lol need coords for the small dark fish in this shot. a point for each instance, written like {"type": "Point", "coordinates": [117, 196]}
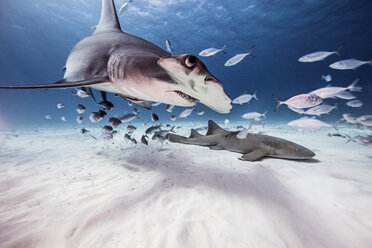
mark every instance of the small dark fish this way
{"type": "Point", "coordinates": [107, 129]}
{"type": "Point", "coordinates": [106, 136]}
{"type": "Point", "coordinates": [154, 117]}
{"type": "Point", "coordinates": [113, 133]}
{"type": "Point", "coordinates": [135, 111]}
{"type": "Point", "coordinates": [144, 140]}
{"type": "Point", "coordinates": [134, 141]}
{"type": "Point", "coordinates": [168, 125]}
{"type": "Point", "coordinates": [102, 113]}
{"type": "Point", "coordinates": [153, 129]}
{"type": "Point", "coordinates": [173, 117]}
{"type": "Point", "coordinates": [161, 136]}
{"type": "Point", "coordinates": [336, 135]}
{"type": "Point", "coordinates": [114, 122]}
{"type": "Point", "coordinates": [95, 117]}
{"type": "Point", "coordinates": [83, 131]}
{"type": "Point", "coordinates": [131, 128]}
{"type": "Point", "coordinates": [127, 136]}
{"type": "Point", "coordinates": [79, 119]}
{"type": "Point", "coordinates": [169, 108]}
{"type": "Point", "coordinates": [106, 105]}
{"type": "Point", "coordinates": [80, 109]}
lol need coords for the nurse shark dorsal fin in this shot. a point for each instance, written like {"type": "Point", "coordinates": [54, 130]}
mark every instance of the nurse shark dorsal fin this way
{"type": "Point", "coordinates": [213, 128]}
{"type": "Point", "coordinates": [194, 134]}
{"type": "Point", "coordinates": [61, 84]}
{"type": "Point", "coordinates": [109, 20]}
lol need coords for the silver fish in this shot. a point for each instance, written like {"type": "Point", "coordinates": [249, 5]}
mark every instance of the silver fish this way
{"type": "Point", "coordinates": [306, 123]}
{"type": "Point", "coordinates": [123, 7]}
{"type": "Point", "coordinates": [60, 105]}
{"type": "Point", "coordinates": [297, 110]}
{"type": "Point", "coordinates": [349, 64]}
{"type": "Point", "coordinates": [63, 118]}
{"type": "Point", "coordinates": [211, 51]}
{"type": "Point", "coordinates": [321, 109]}
{"type": "Point", "coordinates": [365, 120]}
{"type": "Point", "coordinates": [254, 115]}
{"type": "Point", "coordinates": [347, 95]}
{"type": "Point", "coordinates": [48, 117]}
{"type": "Point", "coordinates": [107, 129]}
{"type": "Point", "coordinates": [169, 108]}
{"type": "Point", "coordinates": [153, 129]}
{"type": "Point", "coordinates": [81, 93]}
{"type": "Point", "coordinates": [173, 117]}
{"type": "Point", "coordinates": [128, 117]}
{"type": "Point", "coordinates": [332, 91]}
{"type": "Point", "coordinates": [317, 56]}
{"type": "Point", "coordinates": [354, 103]}
{"type": "Point", "coordinates": [300, 101]}
{"type": "Point", "coordinates": [327, 78]}
{"type": "Point", "coordinates": [245, 98]}
{"type": "Point", "coordinates": [349, 118]}
{"type": "Point", "coordinates": [185, 113]}
{"type": "Point", "coordinates": [239, 57]}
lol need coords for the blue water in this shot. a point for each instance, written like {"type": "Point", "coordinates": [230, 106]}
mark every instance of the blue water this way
{"type": "Point", "coordinates": [36, 38]}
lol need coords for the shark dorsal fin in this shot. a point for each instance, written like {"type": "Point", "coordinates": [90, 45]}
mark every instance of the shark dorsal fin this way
{"type": "Point", "coordinates": [109, 20]}
{"type": "Point", "coordinates": [213, 128]}
{"type": "Point", "coordinates": [194, 134]}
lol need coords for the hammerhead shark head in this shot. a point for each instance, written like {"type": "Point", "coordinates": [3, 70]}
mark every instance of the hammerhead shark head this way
{"type": "Point", "coordinates": [111, 60]}
{"type": "Point", "coordinates": [253, 146]}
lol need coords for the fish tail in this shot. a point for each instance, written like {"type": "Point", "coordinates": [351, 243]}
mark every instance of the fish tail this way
{"type": "Point", "coordinates": [336, 105]}
{"type": "Point", "coordinates": [264, 114]}
{"type": "Point", "coordinates": [338, 50]}
{"type": "Point", "coordinates": [370, 62]}
{"type": "Point", "coordinates": [279, 103]}
{"type": "Point", "coordinates": [334, 125]}
{"type": "Point", "coordinates": [254, 95]}
{"type": "Point", "coordinates": [250, 52]}
{"type": "Point", "coordinates": [223, 49]}
{"type": "Point", "coordinates": [352, 87]}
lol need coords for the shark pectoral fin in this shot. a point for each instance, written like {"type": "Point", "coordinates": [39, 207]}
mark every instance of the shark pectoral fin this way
{"type": "Point", "coordinates": [216, 148]}
{"type": "Point", "coordinates": [62, 84]}
{"type": "Point", "coordinates": [253, 156]}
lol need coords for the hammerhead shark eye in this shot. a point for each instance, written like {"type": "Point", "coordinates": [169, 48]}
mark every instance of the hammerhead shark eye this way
{"type": "Point", "coordinates": [190, 60]}
{"type": "Point", "coordinates": [209, 78]}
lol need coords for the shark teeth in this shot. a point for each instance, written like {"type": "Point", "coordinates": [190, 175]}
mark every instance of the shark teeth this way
{"type": "Point", "coordinates": [187, 97]}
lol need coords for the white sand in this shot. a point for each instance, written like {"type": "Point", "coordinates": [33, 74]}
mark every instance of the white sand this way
{"type": "Point", "coordinates": [61, 189]}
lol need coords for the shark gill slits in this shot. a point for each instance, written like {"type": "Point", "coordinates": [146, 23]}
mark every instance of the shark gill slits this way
{"type": "Point", "coordinates": [190, 60]}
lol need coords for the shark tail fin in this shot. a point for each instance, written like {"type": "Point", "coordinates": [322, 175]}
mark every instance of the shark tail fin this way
{"type": "Point", "coordinates": [109, 20]}
{"type": "Point", "coordinates": [254, 95]}
{"type": "Point", "coordinates": [279, 103]}
{"type": "Point", "coordinates": [250, 52]}
{"type": "Point", "coordinates": [61, 84]}
{"type": "Point", "coordinates": [338, 50]}
{"type": "Point", "coordinates": [223, 49]}
{"type": "Point", "coordinates": [194, 134]}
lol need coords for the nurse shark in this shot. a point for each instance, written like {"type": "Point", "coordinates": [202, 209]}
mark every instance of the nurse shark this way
{"type": "Point", "coordinates": [111, 60]}
{"type": "Point", "coordinates": [253, 146]}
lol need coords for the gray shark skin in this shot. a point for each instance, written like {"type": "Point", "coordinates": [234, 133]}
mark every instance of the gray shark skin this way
{"type": "Point", "coordinates": [254, 147]}
{"type": "Point", "coordinates": [111, 60]}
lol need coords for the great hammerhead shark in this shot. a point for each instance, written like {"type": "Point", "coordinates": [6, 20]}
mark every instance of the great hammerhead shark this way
{"type": "Point", "coordinates": [111, 60]}
{"type": "Point", "coordinates": [253, 146]}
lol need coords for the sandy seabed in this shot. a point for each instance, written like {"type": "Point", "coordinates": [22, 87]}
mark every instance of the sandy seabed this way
{"type": "Point", "coordinates": [59, 188]}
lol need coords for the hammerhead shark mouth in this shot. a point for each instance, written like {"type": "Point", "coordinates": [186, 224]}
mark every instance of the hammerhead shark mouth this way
{"type": "Point", "coordinates": [190, 99]}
